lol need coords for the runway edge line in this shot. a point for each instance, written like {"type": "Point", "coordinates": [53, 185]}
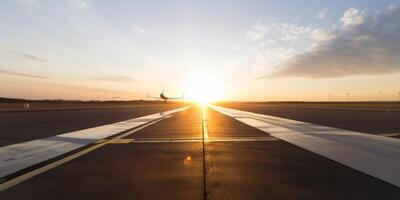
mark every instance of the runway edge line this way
{"type": "Point", "coordinates": [373, 155]}
{"type": "Point", "coordinates": [23, 177]}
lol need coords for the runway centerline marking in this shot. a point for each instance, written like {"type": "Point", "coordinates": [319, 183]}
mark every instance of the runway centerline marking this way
{"type": "Point", "coordinates": [25, 158]}
{"type": "Point", "coordinates": [204, 131]}
{"type": "Point", "coordinates": [374, 155]}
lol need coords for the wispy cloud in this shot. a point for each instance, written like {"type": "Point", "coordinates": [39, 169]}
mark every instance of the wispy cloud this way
{"type": "Point", "coordinates": [366, 45]}
{"type": "Point", "coordinates": [31, 57]}
{"type": "Point", "coordinates": [114, 78]}
{"type": "Point", "coordinates": [138, 29]}
{"type": "Point", "coordinates": [292, 32]}
{"type": "Point", "coordinates": [322, 14]}
{"type": "Point", "coordinates": [352, 17]}
{"type": "Point", "coordinates": [286, 32]}
{"type": "Point", "coordinates": [322, 35]}
{"type": "Point", "coordinates": [7, 72]}
{"type": "Point", "coordinates": [257, 32]}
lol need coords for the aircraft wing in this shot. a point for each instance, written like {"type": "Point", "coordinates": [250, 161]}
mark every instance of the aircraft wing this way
{"type": "Point", "coordinates": [182, 97]}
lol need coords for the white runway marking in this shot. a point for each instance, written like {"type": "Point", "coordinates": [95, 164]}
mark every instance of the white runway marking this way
{"type": "Point", "coordinates": [375, 155]}
{"type": "Point", "coordinates": [390, 134]}
{"type": "Point", "coordinates": [16, 157]}
{"type": "Point", "coordinates": [204, 123]}
{"type": "Point", "coordinates": [35, 172]}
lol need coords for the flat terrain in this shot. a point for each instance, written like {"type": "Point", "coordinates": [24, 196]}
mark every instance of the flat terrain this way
{"type": "Point", "coordinates": [367, 121]}
{"type": "Point", "coordinates": [354, 105]}
{"type": "Point", "coordinates": [160, 162]}
{"type": "Point", "coordinates": [16, 127]}
{"type": "Point", "coordinates": [24, 106]}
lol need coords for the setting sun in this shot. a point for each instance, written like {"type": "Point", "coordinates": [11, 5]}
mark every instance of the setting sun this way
{"type": "Point", "coordinates": [204, 87]}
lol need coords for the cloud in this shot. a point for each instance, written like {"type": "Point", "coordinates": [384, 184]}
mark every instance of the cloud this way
{"type": "Point", "coordinates": [321, 35]}
{"type": "Point", "coordinates": [285, 32]}
{"type": "Point", "coordinates": [266, 58]}
{"type": "Point", "coordinates": [366, 45]}
{"type": "Point", "coordinates": [21, 74]}
{"type": "Point", "coordinates": [322, 14]}
{"type": "Point", "coordinates": [352, 17]}
{"type": "Point", "coordinates": [80, 4]}
{"type": "Point", "coordinates": [293, 32]}
{"type": "Point", "coordinates": [115, 78]}
{"type": "Point", "coordinates": [392, 7]}
{"type": "Point", "coordinates": [31, 57]}
{"type": "Point", "coordinates": [257, 32]}
{"type": "Point", "coordinates": [138, 29]}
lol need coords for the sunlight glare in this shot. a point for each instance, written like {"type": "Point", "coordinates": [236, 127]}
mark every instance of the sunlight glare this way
{"type": "Point", "coordinates": [204, 87]}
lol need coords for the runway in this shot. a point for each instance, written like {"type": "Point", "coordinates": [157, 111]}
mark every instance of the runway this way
{"type": "Point", "coordinates": [372, 121]}
{"type": "Point", "coordinates": [164, 158]}
{"type": "Point", "coordinates": [19, 127]}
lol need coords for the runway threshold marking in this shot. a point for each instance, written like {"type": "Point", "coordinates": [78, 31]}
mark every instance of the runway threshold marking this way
{"type": "Point", "coordinates": [20, 156]}
{"type": "Point", "coordinates": [374, 155]}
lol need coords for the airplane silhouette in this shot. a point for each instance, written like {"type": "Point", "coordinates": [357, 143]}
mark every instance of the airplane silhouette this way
{"type": "Point", "coordinates": [164, 97]}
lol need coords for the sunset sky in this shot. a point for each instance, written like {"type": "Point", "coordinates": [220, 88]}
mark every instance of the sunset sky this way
{"type": "Point", "coordinates": [245, 50]}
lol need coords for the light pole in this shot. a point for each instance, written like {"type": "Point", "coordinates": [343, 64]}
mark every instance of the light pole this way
{"type": "Point", "coordinates": [380, 95]}
{"type": "Point", "coordinates": [348, 97]}
{"type": "Point", "coordinates": [330, 97]}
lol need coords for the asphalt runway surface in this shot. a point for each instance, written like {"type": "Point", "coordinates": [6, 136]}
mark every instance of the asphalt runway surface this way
{"type": "Point", "coordinates": [165, 161]}
{"type": "Point", "coordinates": [374, 122]}
{"type": "Point", "coordinates": [16, 127]}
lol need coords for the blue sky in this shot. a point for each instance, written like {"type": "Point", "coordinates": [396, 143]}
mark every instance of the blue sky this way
{"type": "Point", "coordinates": [260, 50]}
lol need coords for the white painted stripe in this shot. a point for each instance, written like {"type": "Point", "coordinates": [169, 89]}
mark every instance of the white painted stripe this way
{"type": "Point", "coordinates": [20, 156]}
{"type": "Point", "coordinates": [375, 155]}
{"type": "Point", "coordinates": [389, 134]}
{"type": "Point", "coordinates": [19, 179]}
{"type": "Point", "coordinates": [204, 121]}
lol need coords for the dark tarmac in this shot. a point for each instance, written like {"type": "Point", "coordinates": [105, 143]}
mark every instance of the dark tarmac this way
{"type": "Point", "coordinates": [374, 122]}
{"type": "Point", "coordinates": [166, 169]}
{"type": "Point", "coordinates": [16, 127]}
